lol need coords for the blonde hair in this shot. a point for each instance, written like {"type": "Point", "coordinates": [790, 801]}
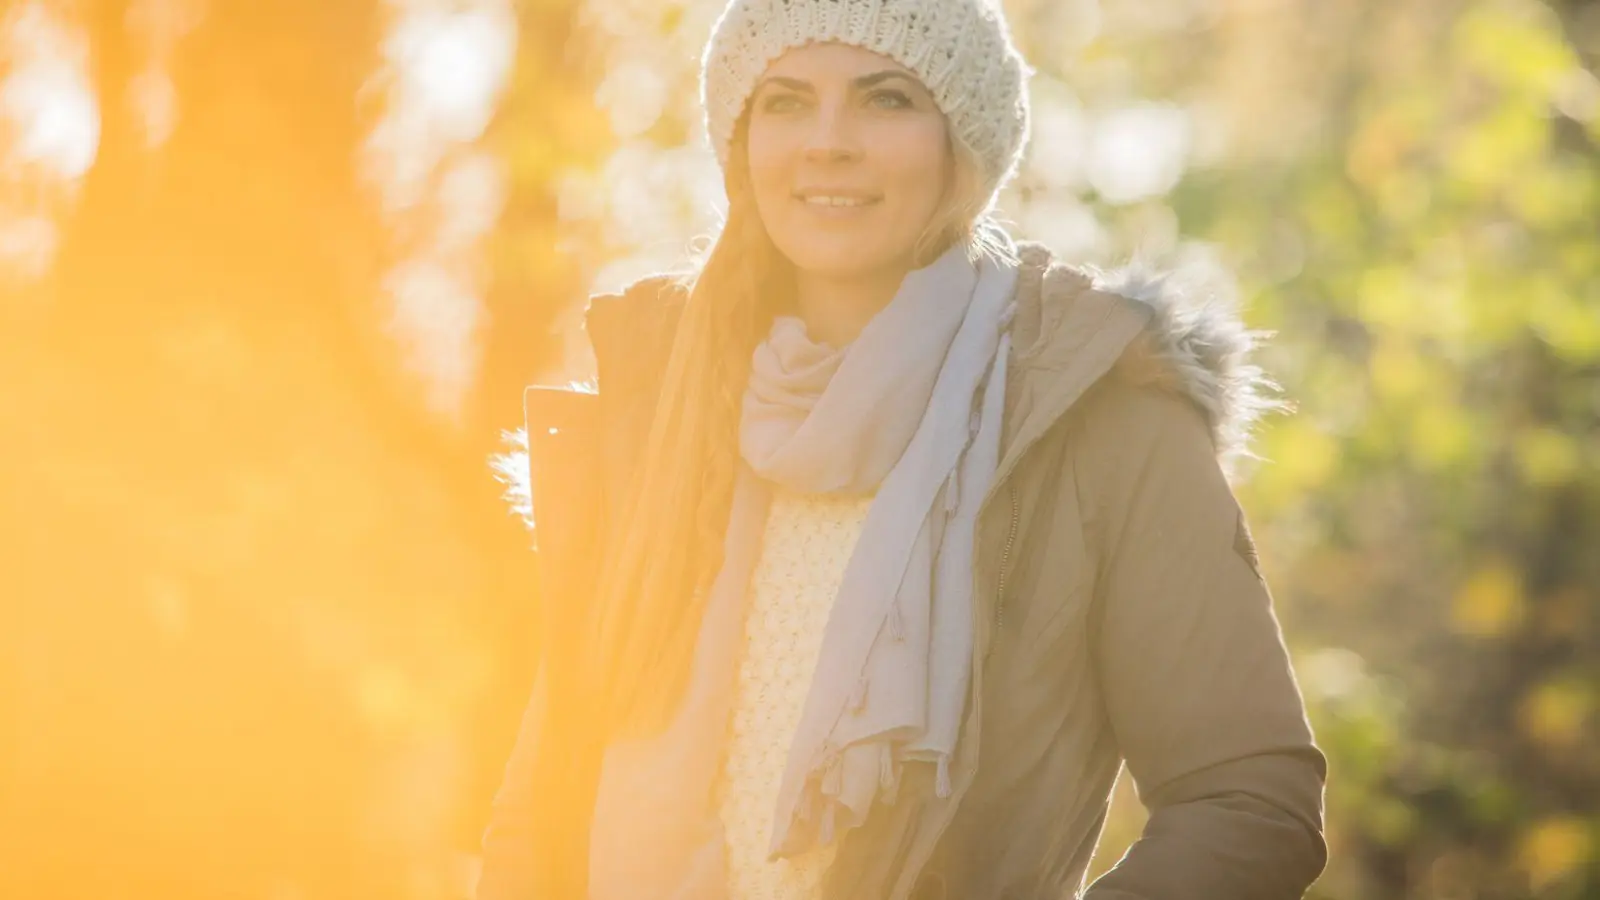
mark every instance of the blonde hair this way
{"type": "Point", "coordinates": [669, 548]}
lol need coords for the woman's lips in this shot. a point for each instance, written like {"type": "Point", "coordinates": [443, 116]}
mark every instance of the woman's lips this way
{"type": "Point", "coordinates": [837, 205]}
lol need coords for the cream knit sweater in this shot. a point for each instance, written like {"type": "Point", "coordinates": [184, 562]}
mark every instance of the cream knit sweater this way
{"type": "Point", "coordinates": [807, 542]}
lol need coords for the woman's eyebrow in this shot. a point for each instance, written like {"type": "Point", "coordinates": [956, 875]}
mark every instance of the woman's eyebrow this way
{"type": "Point", "coordinates": [859, 83]}
{"type": "Point", "coordinates": [866, 81]}
{"type": "Point", "coordinates": [793, 84]}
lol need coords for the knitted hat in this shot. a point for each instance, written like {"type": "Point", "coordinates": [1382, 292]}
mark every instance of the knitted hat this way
{"type": "Point", "coordinates": [960, 49]}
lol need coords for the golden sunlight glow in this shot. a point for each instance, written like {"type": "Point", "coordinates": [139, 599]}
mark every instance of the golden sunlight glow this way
{"type": "Point", "coordinates": [49, 133]}
{"type": "Point", "coordinates": [274, 274]}
{"type": "Point", "coordinates": [444, 70]}
{"type": "Point", "coordinates": [45, 96]}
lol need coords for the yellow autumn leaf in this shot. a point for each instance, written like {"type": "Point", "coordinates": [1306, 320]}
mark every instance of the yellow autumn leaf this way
{"type": "Point", "coordinates": [1554, 848]}
{"type": "Point", "coordinates": [1490, 152]}
{"type": "Point", "coordinates": [1399, 373]}
{"type": "Point", "coordinates": [1302, 456]}
{"type": "Point", "coordinates": [1553, 195]}
{"type": "Point", "coordinates": [1330, 213]}
{"type": "Point", "coordinates": [1519, 45]}
{"type": "Point", "coordinates": [1556, 712]}
{"type": "Point", "coordinates": [1569, 322]}
{"type": "Point", "coordinates": [1441, 435]}
{"type": "Point", "coordinates": [1490, 603]}
{"type": "Point", "coordinates": [1404, 197]}
{"type": "Point", "coordinates": [1386, 298]}
{"type": "Point", "coordinates": [1546, 456]}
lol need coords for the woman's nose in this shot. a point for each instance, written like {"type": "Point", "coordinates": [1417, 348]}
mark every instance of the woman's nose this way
{"type": "Point", "coordinates": [832, 137]}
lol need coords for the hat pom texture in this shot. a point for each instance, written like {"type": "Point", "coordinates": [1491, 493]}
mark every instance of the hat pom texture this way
{"type": "Point", "coordinates": [961, 50]}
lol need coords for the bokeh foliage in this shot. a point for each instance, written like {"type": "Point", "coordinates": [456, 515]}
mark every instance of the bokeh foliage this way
{"type": "Point", "coordinates": [1437, 505]}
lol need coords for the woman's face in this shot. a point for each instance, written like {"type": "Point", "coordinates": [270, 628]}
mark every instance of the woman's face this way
{"type": "Point", "coordinates": [849, 158]}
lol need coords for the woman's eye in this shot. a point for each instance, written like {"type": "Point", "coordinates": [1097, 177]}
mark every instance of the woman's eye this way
{"type": "Point", "coordinates": [780, 103]}
{"type": "Point", "coordinates": [889, 100]}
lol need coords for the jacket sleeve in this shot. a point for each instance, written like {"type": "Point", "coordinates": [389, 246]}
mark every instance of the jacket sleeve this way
{"type": "Point", "coordinates": [533, 818]}
{"type": "Point", "coordinates": [582, 450]}
{"type": "Point", "coordinates": [1194, 671]}
{"type": "Point", "coordinates": [509, 870]}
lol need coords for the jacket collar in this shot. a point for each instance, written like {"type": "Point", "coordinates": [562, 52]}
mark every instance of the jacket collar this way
{"type": "Point", "coordinates": [1077, 324]}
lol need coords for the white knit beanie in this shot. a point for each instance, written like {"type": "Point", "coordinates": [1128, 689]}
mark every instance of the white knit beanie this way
{"type": "Point", "coordinates": [960, 49]}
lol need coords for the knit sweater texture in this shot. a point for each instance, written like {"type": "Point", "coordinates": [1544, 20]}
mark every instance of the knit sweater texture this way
{"type": "Point", "coordinates": [806, 544]}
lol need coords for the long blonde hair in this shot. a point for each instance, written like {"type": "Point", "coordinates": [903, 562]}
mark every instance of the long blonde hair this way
{"type": "Point", "coordinates": [669, 547]}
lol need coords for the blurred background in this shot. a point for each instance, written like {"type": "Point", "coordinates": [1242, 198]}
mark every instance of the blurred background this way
{"type": "Point", "coordinates": [272, 276]}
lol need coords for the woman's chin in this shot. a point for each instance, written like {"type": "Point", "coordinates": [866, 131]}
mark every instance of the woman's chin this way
{"type": "Point", "coordinates": [842, 259]}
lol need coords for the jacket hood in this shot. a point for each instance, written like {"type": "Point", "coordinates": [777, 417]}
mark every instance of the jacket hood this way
{"type": "Point", "coordinates": [1195, 343]}
{"type": "Point", "coordinates": [1166, 328]}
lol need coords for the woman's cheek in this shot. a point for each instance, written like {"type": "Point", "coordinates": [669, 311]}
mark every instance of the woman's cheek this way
{"type": "Point", "coordinates": [920, 149]}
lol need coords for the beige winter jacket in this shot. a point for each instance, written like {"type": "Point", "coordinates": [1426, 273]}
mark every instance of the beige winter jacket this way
{"type": "Point", "coordinates": [1121, 617]}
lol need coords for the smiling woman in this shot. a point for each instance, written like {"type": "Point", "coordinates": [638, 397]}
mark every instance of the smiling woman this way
{"type": "Point", "coordinates": [846, 535]}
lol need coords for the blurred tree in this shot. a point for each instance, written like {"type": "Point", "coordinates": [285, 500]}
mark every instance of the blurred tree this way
{"type": "Point", "coordinates": [546, 130]}
{"type": "Point", "coordinates": [266, 590]}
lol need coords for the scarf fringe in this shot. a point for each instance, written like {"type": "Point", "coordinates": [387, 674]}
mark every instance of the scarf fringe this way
{"type": "Point", "coordinates": [888, 778]}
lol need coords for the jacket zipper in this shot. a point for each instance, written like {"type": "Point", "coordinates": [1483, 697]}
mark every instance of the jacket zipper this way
{"type": "Point", "coordinates": [1005, 559]}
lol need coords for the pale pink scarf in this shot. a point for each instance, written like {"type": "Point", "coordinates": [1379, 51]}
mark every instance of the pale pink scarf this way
{"type": "Point", "coordinates": [910, 411]}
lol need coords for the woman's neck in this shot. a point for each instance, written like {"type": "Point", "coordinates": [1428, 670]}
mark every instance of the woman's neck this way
{"type": "Point", "coordinates": [835, 310]}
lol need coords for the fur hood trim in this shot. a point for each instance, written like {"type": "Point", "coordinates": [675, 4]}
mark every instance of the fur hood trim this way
{"type": "Point", "coordinates": [1195, 345]}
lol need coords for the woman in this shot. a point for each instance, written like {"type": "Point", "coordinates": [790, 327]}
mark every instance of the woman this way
{"type": "Point", "coordinates": [886, 541]}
